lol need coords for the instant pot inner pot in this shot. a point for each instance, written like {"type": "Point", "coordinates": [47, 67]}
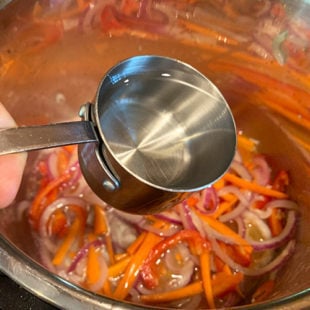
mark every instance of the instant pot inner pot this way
{"type": "Point", "coordinates": [53, 85]}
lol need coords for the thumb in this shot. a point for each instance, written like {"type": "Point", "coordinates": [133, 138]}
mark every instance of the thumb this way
{"type": "Point", "coordinates": [11, 166]}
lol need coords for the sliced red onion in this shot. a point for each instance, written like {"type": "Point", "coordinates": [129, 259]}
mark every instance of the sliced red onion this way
{"type": "Point", "coordinates": [276, 203]}
{"type": "Point", "coordinates": [135, 295]}
{"type": "Point", "coordinates": [142, 289]}
{"type": "Point", "coordinates": [209, 201]}
{"type": "Point", "coordinates": [57, 204]}
{"type": "Point", "coordinates": [185, 216]}
{"type": "Point", "coordinates": [122, 232]}
{"type": "Point", "coordinates": [279, 240]}
{"type": "Point", "coordinates": [170, 216]}
{"type": "Point", "coordinates": [199, 225]}
{"type": "Point", "coordinates": [145, 225]}
{"type": "Point", "coordinates": [92, 15]}
{"type": "Point", "coordinates": [261, 171]}
{"type": "Point", "coordinates": [128, 217]}
{"type": "Point", "coordinates": [282, 204]}
{"type": "Point", "coordinates": [241, 226]}
{"type": "Point", "coordinates": [170, 259]}
{"type": "Point", "coordinates": [237, 156]}
{"type": "Point", "coordinates": [254, 220]}
{"type": "Point", "coordinates": [241, 170]}
{"type": "Point", "coordinates": [243, 196]}
{"type": "Point", "coordinates": [183, 277]}
{"type": "Point", "coordinates": [236, 212]}
{"type": "Point", "coordinates": [52, 165]}
{"type": "Point", "coordinates": [82, 253]}
{"type": "Point", "coordinates": [274, 264]}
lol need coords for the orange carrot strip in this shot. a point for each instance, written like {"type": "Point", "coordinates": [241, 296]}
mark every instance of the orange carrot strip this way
{"type": "Point", "coordinates": [101, 227]}
{"type": "Point", "coordinates": [69, 148]}
{"type": "Point", "coordinates": [206, 277]}
{"type": "Point", "coordinates": [118, 257]}
{"type": "Point", "coordinates": [106, 289]}
{"type": "Point", "coordinates": [136, 244]}
{"type": "Point", "coordinates": [223, 207]}
{"type": "Point", "coordinates": [93, 266]}
{"type": "Point", "coordinates": [58, 222]}
{"type": "Point", "coordinates": [243, 248]}
{"type": "Point", "coordinates": [100, 222]}
{"type": "Point", "coordinates": [246, 143]}
{"type": "Point", "coordinates": [158, 223]}
{"type": "Point", "coordinates": [132, 270]}
{"type": "Point", "coordinates": [119, 267]}
{"type": "Point", "coordinates": [253, 186]}
{"type": "Point", "coordinates": [68, 241]}
{"type": "Point", "coordinates": [186, 291]}
{"type": "Point", "coordinates": [225, 230]}
{"type": "Point", "coordinates": [275, 222]}
{"type": "Point", "coordinates": [219, 184]}
{"type": "Point", "coordinates": [227, 269]}
{"type": "Point", "coordinates": [221, 284]}
{"type": "Point", "coordinates": [62, 161]}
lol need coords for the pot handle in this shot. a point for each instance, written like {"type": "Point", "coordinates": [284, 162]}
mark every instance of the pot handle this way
{"type": "Point", "coordinates": [21, 139]}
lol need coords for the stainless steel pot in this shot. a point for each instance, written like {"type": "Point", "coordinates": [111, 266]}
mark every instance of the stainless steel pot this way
{"type": "Point", "coordinates": [33, 88]}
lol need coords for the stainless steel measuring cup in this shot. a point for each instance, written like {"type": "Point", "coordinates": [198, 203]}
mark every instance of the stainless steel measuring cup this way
{"type": "Point", "coordinates": [158, 129]}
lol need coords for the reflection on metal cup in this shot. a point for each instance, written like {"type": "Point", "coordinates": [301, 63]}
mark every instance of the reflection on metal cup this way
{"type": "Point", "coordinates": [164, 131]}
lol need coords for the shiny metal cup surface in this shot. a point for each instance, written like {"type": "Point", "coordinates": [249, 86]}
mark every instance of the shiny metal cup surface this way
{"type": "Point", "coordinates": [165, 129]}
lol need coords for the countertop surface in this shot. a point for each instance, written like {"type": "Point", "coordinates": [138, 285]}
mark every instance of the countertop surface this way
{"type": "Point", "coordinates": [15, 297]}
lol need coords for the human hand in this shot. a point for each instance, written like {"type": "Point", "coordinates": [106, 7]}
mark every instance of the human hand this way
{"type": "Point", "coordinates": [11, 166]}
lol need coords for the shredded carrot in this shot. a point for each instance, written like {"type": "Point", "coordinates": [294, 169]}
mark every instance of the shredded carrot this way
{"type": "Point", "coordinates": [242, 246]}
{"type": "Point", "coordinates": [225, 230]}
{"type": "Point", "coordinates": [58, 222]}
{"type": "Point", "coordinates": [62, 161]}
{"type": "Point", "coordinates": [254, 187]}
{"type": "Point", "coordinates": [206, 277]}
{"type": "Point", "coordinates": [100, 222]}
{"type": "Point", "coordinates": [70, 148]}
{"type": "Point", "coordinates": [192, 201]}
{"type": "Point", "coordinates": [221, 283]}
{"type": "Point", "coordinates": [184, 292]}
{"type": "Point", "coordinates": [219, 184]}
{"type": "Point", "coordinates": [132, 270]}
{"type": "Point", "coordinates": [275, 222]}
{"type": "Point", "coordinates": [246, 143]}
{"type": "Point", "coordinates": [68, 241]}
{"type": "Point", "coordinates": [120, 256]}
{"type": "Point", "coordinates": [106, 289]}
{"type": "Point", "coordinates": [119, 267]}
{"type": "Point", "coordinates": [136, 244]}
{"type": "Point", "coordinates": [224, 207]}
{"type": "Point", "coordinates": [157, 222]}
{"type": "Point", "coordinates": [93, 266]}
{"type": "Point", "coordinates": [227, 269]}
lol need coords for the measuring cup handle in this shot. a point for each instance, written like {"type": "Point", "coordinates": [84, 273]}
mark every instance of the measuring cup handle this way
{"type": "Point", "coordinates": [21, 139]}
